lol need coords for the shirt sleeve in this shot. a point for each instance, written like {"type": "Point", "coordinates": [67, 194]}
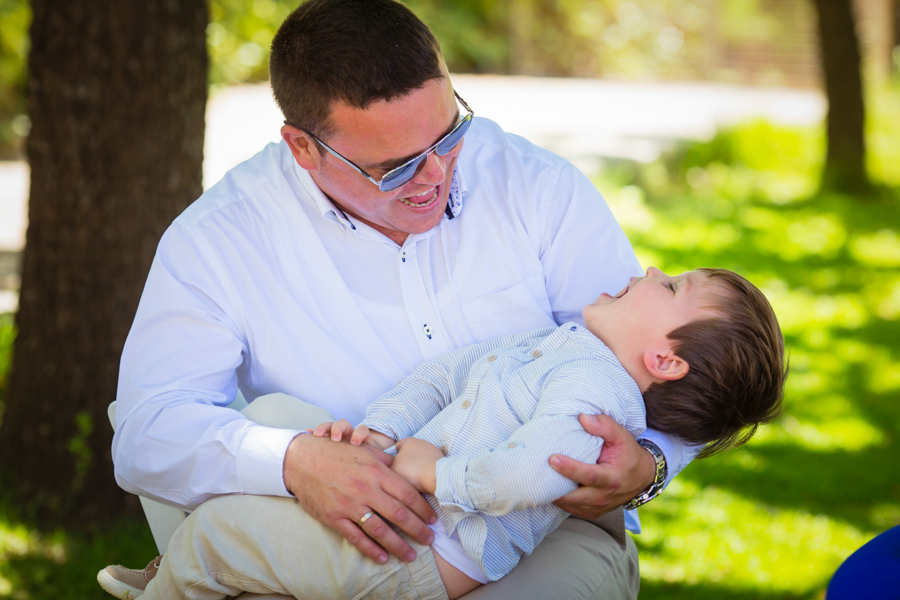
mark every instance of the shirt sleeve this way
{"type": "Point", "coordinates": [433, 385]}
{"type": "Point", "coordinates": [515, 475]}
{"type": "Point", "coordinates": [176, 441]}
{"type": "Point", "coordinates": [582, 262]}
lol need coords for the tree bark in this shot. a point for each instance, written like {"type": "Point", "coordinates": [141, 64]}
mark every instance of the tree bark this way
{"type": "Point", "coordinates": [845, 161]}
{"type": "Point", "coordinates": [117, 95]}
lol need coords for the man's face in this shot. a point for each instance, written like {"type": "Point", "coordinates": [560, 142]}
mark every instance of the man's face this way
{"type": "Point", "coordinates": [381, 137]}
{"type": "Point", "coordinates": [640, 317]}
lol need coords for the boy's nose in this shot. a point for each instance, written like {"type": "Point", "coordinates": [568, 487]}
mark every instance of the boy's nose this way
{"type": "Point", "coordinates": [654, 272]}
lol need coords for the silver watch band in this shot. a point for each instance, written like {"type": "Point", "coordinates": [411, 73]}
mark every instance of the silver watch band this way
{"type": "Point", "coordinates": [659, 480]}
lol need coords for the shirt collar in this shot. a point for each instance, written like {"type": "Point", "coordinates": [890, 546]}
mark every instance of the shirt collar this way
{"type": "Point", "coordinates": [584, 338]}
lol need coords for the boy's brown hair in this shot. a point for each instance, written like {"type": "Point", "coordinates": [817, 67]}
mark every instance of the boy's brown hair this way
{"type": "Point", "coordinates": [736, 373]}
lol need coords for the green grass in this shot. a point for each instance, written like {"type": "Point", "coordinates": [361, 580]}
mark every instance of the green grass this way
{"type": "Point", "coordinates": [775, 518]}
{"type": "Point", "coordinates": [60, 564]}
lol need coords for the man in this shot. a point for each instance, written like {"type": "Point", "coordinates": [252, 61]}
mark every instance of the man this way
{"type": "Point", "coordinates": [329, 266]}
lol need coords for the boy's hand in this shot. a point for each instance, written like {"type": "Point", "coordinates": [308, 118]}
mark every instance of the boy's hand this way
{"type": "Point", "coordinates": [342, 430]}
{"type": "Point", "coordinates": [623, 471]}
{"type": "Point", "coordinates": [416, 462]}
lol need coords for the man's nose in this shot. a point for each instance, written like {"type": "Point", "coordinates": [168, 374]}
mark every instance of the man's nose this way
{"type": "Point", "coordinates": [433, 171]}
{"type": "Point", "coordinates": [654, 272]}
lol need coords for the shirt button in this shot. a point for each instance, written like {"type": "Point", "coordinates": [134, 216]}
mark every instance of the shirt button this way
{"type": "Point", "coordinates": [444, 449]}
{"type": "Point", "coordinates": [466, 404]}
{"type": "Point", "coordinates": [536, 354]}
{"type": "Point", "coordinates": [511, 445]}
{"type": "Point", "coordinates": [492, 358]}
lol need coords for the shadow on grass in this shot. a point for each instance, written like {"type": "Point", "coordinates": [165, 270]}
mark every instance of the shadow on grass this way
{"type": "Point", "coordinates": [63, 564]}
{"type": "Point", "coordinates": [66, 565]}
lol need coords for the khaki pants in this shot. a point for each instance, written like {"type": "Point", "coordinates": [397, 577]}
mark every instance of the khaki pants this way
{"type": "Point", "coordinates": [266, 545]}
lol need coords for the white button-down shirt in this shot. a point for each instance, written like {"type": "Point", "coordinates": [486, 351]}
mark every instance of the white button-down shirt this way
{"type": "Point", "coordinates": [501, 409]}
{"type": "Point", "coordinates": [262, 283]}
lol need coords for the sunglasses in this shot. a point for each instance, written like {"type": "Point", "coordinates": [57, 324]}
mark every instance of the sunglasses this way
{"type": "Point", "coordinates": [402, 175]}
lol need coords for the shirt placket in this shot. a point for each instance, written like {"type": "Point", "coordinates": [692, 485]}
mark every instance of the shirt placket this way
{"type": "Point", "coordinates": [419, 308]}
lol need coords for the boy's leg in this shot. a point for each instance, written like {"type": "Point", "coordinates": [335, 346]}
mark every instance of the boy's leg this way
{"type": "Point", "coordinates": [267, 545]}
{"type": "Point", "coordinates": [577, 561]}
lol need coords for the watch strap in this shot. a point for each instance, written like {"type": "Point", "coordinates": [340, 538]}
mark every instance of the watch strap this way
{"type": "Point", "coordinates": [659, 480]}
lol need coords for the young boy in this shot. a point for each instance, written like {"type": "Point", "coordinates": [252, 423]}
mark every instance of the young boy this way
{"type": "Point", "coordinates": [703, 348]}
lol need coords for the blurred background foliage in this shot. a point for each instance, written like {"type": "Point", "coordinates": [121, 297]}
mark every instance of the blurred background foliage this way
{"type": "Point", "coordinates": [741, 41]}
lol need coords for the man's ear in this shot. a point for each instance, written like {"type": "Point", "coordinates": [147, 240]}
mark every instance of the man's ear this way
{"type": "Point", "coordinates": [302, 147]}
{"type": "Point", "coordinates": [665, 366]}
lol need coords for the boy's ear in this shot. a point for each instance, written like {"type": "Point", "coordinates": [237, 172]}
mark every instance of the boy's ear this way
{"type": "Point", "coordinates": [668, 367]}
{"type": "Point", "coordinates": [302, 147]}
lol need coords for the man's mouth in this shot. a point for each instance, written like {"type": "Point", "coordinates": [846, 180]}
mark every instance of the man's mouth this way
{"type": "Point", "coordinates": [623, 292]}
{"type": "Point", "coordinates": [422, 200]}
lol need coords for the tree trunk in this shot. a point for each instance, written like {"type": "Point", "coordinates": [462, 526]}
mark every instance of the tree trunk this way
{"type": "Point", "coordinates": [845, 162]}
{"type": "Point", "coordinates": [117, 95]}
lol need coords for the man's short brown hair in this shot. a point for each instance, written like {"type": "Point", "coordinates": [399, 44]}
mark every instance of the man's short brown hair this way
{"type": "Point", "coordinates": [736, 373]}
{"type": "Point", "coordinates": [351, 51]}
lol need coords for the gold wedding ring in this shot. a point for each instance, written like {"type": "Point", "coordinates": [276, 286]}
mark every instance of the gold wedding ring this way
{"type": "Point", "coordinates": [365, 518]}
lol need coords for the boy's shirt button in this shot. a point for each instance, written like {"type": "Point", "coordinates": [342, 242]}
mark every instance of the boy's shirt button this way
{"type": "Point", "coordinates": [511, 445]}
{"type": "Point", "coordinates": [536, 354]}
{"type": "Point", "coordinates": [492, 358]}
{"type": "Point", "coordinates": [444, 449]}
{"type": "Point", "coordinates": [466, 404]}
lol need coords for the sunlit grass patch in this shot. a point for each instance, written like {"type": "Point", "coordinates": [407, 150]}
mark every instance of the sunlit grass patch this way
{"type": "Point", "coordinates": [774, 519]}
{"type": "Point", "coordinates": [711, 535]}
{"type": "Point", "coordinates": [45, 565]}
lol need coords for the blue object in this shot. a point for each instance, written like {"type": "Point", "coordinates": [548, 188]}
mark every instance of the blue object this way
{"type": "Point", "coordinates": [872, 572]}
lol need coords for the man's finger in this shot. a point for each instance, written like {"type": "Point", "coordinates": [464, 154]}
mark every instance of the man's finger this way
{"type": "Point", "coordinates": [385, 458]}
{"type": "Point", "coordinates": [387, 538]}
{"type": "Point", "coordinates": [605, 427]}
{"type": "Point", "coordinates": [361, 541]}
{"type": "Point", "coordinates": [579, 472]}
{"type": "Point", "coordinates": [411, 512]}
{"type": "Point", "coordinates": [582, 505]}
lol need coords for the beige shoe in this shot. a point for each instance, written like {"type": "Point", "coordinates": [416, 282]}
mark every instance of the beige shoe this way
{"type": "Point", "coordinates": [127, 584]}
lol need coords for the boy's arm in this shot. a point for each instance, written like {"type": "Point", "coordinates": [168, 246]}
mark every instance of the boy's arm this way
{"type": "Point", "coordinates": [434, 384]}
{"type": "Point", "coordinates": [515, 475]}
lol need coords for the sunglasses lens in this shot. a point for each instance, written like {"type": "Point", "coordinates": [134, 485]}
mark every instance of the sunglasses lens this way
{"type": "Point", "coordinates": [402, 174]}
{"type": "Point", "coordinates": [449, 143]}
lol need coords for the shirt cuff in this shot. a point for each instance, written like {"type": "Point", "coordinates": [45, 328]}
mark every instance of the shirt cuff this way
{"type": "Point", "coordinates": [386, 427]}
{"type": "Point", "coordinates": [450, 485]}
{"type": "Point", "coordinates": [260, 464]}
{"type": "Point", "coordinates": [633, 521]}
{"type": "Point", "coordinates": [678, 454]}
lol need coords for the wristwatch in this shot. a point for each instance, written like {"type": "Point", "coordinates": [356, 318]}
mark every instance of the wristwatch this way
{"type": "Point", "coordinates": [659, 481]}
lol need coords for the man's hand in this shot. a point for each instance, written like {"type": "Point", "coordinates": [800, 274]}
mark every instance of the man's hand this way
{"type": "Point", "coordinates": [623, 471]}
{"type": "Point", "coordinates": [416, 462]}
{"type": "Point", "coordinates": [339, 483]}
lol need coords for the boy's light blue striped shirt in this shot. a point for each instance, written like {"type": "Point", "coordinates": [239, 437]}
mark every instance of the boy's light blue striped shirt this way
{"type": "Point", "coordinates": [499, 410]}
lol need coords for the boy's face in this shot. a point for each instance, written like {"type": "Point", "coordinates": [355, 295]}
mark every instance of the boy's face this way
{"type": "Point", "coordinates": [639, 318]}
